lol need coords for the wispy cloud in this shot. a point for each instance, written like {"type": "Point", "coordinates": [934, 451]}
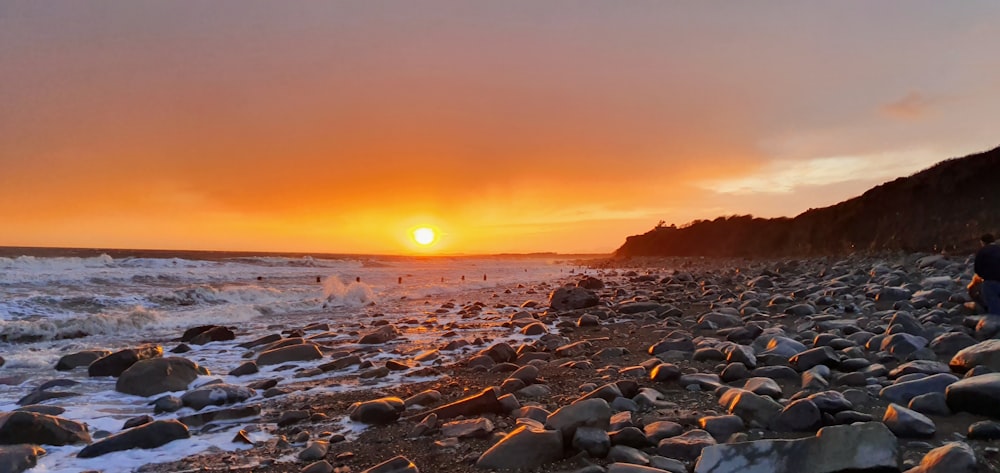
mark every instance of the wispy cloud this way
{"type": "Point", "coordinates": [787, 176]}
{"type": "Point", "coordinates": [912, 106]}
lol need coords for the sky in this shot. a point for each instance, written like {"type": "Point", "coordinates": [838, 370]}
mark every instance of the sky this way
{"type": "Point", "coordinates": [514, 126]}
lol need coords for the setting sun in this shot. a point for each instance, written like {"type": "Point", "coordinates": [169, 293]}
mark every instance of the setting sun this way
{"type": "Point", "coordinates": [424, 236]}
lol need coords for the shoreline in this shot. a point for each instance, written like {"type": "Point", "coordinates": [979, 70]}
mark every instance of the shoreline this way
{"type": "Point", "coordinates": [700, 311]}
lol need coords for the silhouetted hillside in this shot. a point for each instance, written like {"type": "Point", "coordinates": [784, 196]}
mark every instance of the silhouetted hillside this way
{"type": "Point", "coordinates": [947, 206]}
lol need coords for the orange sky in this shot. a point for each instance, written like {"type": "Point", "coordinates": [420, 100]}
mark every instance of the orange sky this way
{"type": "Point", "coordinates": [510, 126]}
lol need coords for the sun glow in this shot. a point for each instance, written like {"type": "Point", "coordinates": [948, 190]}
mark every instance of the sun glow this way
{"type": "Point", "coordinates": [424, 236]}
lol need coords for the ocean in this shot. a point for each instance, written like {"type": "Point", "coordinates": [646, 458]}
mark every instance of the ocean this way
{"type": "Point", "coordinates": [59, 301]}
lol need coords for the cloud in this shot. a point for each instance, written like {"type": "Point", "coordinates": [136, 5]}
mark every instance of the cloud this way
{"type": "Point", "coordinates": [912, 106]}
{"type": "Point", "coordinates": [788, 176]}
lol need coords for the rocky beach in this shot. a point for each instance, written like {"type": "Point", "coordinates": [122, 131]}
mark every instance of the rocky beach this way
{"type": "Point", "coordinates": [678, 365]}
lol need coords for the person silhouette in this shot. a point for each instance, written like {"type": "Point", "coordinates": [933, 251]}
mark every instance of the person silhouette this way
{"type": "Point", "coordinates": [985, 285]}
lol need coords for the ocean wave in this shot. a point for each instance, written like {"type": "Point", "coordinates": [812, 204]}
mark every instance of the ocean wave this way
{"type": "Point", "coordinates": [28, 263]}
{"type": "Point", "coordinates": [355, 294]}
{"type": "Point", "coordinates": [56, 328]}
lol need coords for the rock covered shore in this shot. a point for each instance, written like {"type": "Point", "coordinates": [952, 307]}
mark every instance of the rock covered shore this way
{"type": "Point", "coordinates": [684, 365]}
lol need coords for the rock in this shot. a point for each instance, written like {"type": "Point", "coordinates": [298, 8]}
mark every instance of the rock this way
{"type": "Point", "coordinates": [595, 441]}
{"type": "Point", "coordinates": [40, 395]}
{"type": "Point", "coordinates": [631, 468]}
{"type": "Point", "coordinates": [151, 435]}
{"type": "Point", "coordinates": [659, 430]}
{"type": "Point", "coordinates": [984, 430]}
{"type": "Point", "coordinates": [687, 446]}
{"type": "Point", "coordinates": [535, 328]}
{"type": "Point", "coordinates": [903, 392]}
{"type": "Point", "coordinates": [500, 353]}
{"type": "Point", "coordinates": [261, 341]}
{"type": "Point", "coordinates": [314, 450]}
{"type": "Point", "coordinates": [930, 404]}
{"type": "Point", "coordinates": [378, 411]}
{"type": "Point", "coordinates": [830, 401]}
{"type": "Point", "coordinates": [423, 398]}
{"type": "Point", "coordinates": [301, 352]}
{"type": "Point", "coordinates": [220, 415]}
{"type": "Point", "coordinates": [47, 410]}
{"type": "Point", "coordinates": [395, 465]}
{"type": "Point", "coordinates": [572, 298]}
{"type": "Point", "coordinates": [470, 428]}
{"type": "Point", "coordinates": [217, 395]}
{"type": "Point", "coordinates": [800, 415]}
{"type": "Point", "coordinates": [587, 413]}
{"type": "Point", "coordinates": [292, 417]}
{"type": "Point", "coordinates": [763, 387]}
{"type": "Point", "coordinates": [955, 457]}
{"type": "Point", "coordinates": [382, 334]}
{"type": "Point", "coordinates": [157, 375]}
{"type": "Point", "coordinates": [928, 367]}
{"type": "Point", "coordinates": [978, 395]}
{"type": "Point", "coordinates": [948, 344]}
{"type": "Point", "coordinates": [482, 403]}
{"type": "Point", "coordinates": [721, 427]}
{"type": "Point", "coordinates": [675, 341]}
{"type": "Point", "coordinates": [527, 373]}
{"type": "Point", "coordinates": [907, 423]}
{"type": "Point", "coordinates": [167, 404]}
{"type": "Point", "coordinates": [986, 353]}
{"type": "Point", "coordinates": [813, 357]}
{"type": "Point", "coordinates": [778, 345]}
{"type": "Point", "coordinates": [525, 448]}
{"type": "Point", "coordinates": [321, 466]}
{"type": "Point", "coordinates": [19, 458]}
{"type": "Point", "coordinates": [755, 410]}
{"type": "Point", "coordinates": [80, 358]}
{"type": "Point", "coordinates": [32, 428]}
{"type": "Point", "coordinates": [137, 421]}
{"type": "Point", "coordinates": [590, 282]}
{"type": "Point", "coordinates": [902, 344]}
{"type": "Point", "coordinates": [248, 367]}
{"type": "Point", "coordinates": [859, 447]}
{"type": "Point", "coordinates": [207, 333]}
{"type": "Point", "coordinates": [116, 363]}
{"type": "Point", "coordinates": [340, 363]}
{"type": "Point", "coordinates": [588, 320]}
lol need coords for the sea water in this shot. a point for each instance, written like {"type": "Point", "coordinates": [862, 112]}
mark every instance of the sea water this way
{"type": "Point", "coordinates": [55, 302]}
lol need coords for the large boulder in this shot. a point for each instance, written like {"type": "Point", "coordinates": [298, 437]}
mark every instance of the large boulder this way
{"type": "Point", "coordinates": [116, 363]}
{"type": "Point", "coordinates": [377, 411]}
{"type": "Point", "coordinates": [902, 393]}
{"type": "Point", "coordinates": [30, 427]}
{"type": "Point", "coordinates": [985, 353]}
{"type": "Point", "coordinates": [571, 298]}
{"type": "Point", "coordinates": [954, 457]}
{"type": "Point", "coordinates": [856, 447]}
{"type": "Point", "coordinates": [157, 375]}
{"type": "Point", "coordinates": [80, 358]}
{"type": "Point", "coordinates": [301, 352]}
{"type": "Point", "coordinates": [383, 334]}
{"type": "Point", "coordinates": [524, 448]}
{"type": "Point", "coordinates": [151, 435]}
{"type": "Point", "coordinates": [594, 412]}
{"type": "Point", "coordinates": [216, 395]}
{"type": "Point", "coordinates": [978, 395]}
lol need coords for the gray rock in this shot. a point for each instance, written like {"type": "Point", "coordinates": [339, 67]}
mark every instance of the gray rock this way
{"type": "Point", "coordinates": [903, 344]}
{"type": "Point", "coordinates": [630, 437]}
{"type": "Point", "coordinates": [117, 362]}
{"type": "Point", "coordinates": [572, 298]}
{"type": "Point", "coordinates": [800, 415]}
{"type": "Point", "coordinates": [978, 395]}
{"type": "Point", "coordinates": [930, 404]}
{"type": "Point", "coordinates": [985, 353]}
{"type": "Point", "coordinates": [244, 369]}
{"type": "Point", "coordinates": [586, 413]}
{"type": "Point", "coordinates": [813, 357]}
{"type": "Point", "coordinates": [907, 423]}
{"type": "Point", "coordinates": [525, 448]}
{"type": "Point", "coordinates": [216, 395]}
{"type": "Point", "coordinates": [207, 333]}
{"type": "Point", "coordinates": [151, 435]}
{"type": "Point", "coordinates": [395, 465]}
{"type": "Point", "coordinates": [721, 427]}
{"type": "Point", "coordinates": [763, 387]}
{"type": "Point", "coordinates": [300, 352]}
{"type": "Point", "coordinates": [469, 428]}
{"type": "Point", "coordinates": [686, 446]}
{"type": "Point", "coordinates": [321, 466]}
{"type": "Point", "coordinates": [919, 366]}
{"type": "Point", "coordinates": [868, 446]}
{"type": "Point", "coordinates": [157, 375]}
{"type": "Point", "coordinates": [220, 415]}
{"type": "Point", "coordinates": [314, 451]}
{"type": "Point", "coordinates": [20, 427]}
{"type": "Point", "coordinates": [630, 468]}
{"type": "Point", "coordinates": [830, 401]}
{"type": "Point", "coordinates": [659, 430]}
{"type": "Point", "coordinates": [903, 392]}
{"type": "Point", "coordinates": [948, 344]}
{"type": "Point", "coordinates": [167, 404]}
{"type": "Point", "coordinates": [79, 359]}
{"type": "Point", "coordinates": [377, 411]}
{"type": "Point", "coordinates": [19, 458]}
{"type": "Point", "coordinates": [593, 440]}
{"type": "Point", "coordinates": [955, 457]}
{"type": "Point", "coordinates": [665, 372]}
{"type": "Point", "coordinates": [755, 410]}
{"type": "Point", "coordinates": [984, 430]}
